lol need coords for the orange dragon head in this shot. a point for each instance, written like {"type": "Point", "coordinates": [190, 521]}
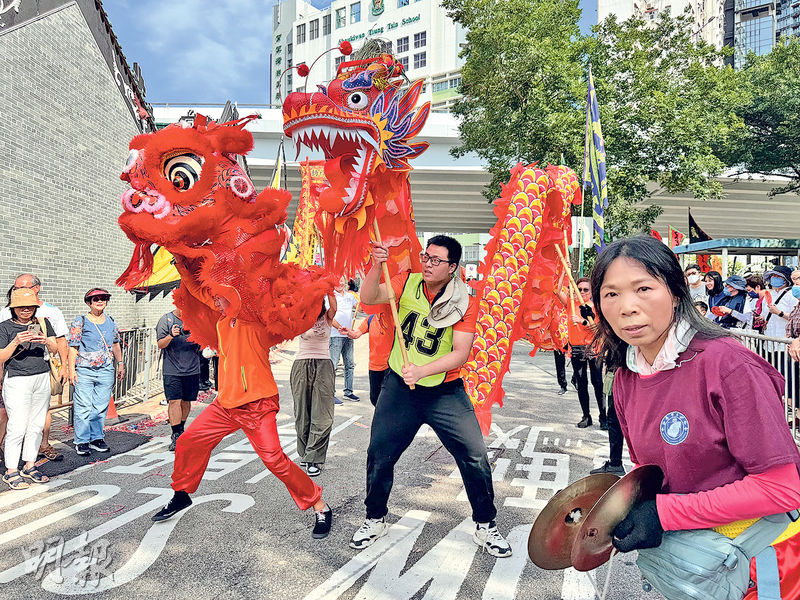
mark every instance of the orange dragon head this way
{"type": "Point", "coordinates": [363, 124]}
{"type": "Point", "coordinates": [187, 189]}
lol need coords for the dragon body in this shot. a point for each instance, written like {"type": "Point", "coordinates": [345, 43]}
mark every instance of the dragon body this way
{"type": "Point", "coordinates": [518, 276]}
{"type": "Point", "coordinates": [189, 195]}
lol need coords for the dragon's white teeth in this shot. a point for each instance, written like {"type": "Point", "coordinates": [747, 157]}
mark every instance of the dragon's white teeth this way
{"type": "Point", "coordinates": [368, 139]}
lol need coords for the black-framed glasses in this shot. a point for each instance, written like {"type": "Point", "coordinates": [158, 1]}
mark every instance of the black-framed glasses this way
{"type": "Point", "coordinates": [434, 260]}
{"type": "Point", "coordinates": [99, 298]}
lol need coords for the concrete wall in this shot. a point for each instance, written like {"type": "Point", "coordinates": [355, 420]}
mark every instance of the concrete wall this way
{"type": "Point", "coordinates": [64, 133]}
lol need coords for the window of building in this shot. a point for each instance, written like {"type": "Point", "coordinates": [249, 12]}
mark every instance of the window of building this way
{"type": "Point", "coordinates": [278, 49]}
{"type": "Point", "coordinates": [289, 47]}
{"type": "Point", "coordinates": [289, 62]}
{"type": "Point", "coordinates": [301, 33]}
{"type": "Point", "coordinates": [313, 29]}
{"type": "Point", "coordinates": [341, 17]}
{"type": "Point", "coordinates": [420, 39]}
{"type": "Point", "coordinates": [402, 44]}
{"type": "Point", "coordinates": [326, 25]}
{"type": "Point", "coordinates": [424, 87]}
{"type": "Point", "coordinates": [454, 83]}
{"type": "Point", "coordinates": [402, 3]}
{"type": "Point", "coordinates": [420, 60]}
{"type": "Point", "coordinates": [404, 61]}
{"type": "Point", "coordinates": [355, 12]}
{"type": "Point", "coordinates": [440, 86]}
{"type": "Point", "coordinates": [289, 81]}
{"type": "Point", "coordinates": [339, 60]}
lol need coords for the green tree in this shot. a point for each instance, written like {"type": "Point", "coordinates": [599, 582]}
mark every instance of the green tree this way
{"type": "Point", "coordinates": [665, 99]}
{"type": "Point", "coordinates": [769, 142]}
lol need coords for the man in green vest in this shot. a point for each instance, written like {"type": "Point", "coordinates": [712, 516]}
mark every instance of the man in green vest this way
{"type": "Point", "coordinates": [438, 323]}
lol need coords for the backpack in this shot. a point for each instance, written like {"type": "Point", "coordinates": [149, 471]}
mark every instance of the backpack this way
{"type": "Point", "coordinates": [700, 564]}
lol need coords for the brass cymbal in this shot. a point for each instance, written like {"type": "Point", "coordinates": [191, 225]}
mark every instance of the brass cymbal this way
{"type": "Point", "coordinates": [553, 532]}
{"type": "Point", "coordinates": [592, 545]}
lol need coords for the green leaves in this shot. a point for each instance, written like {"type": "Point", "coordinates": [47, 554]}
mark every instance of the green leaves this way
{"type": "Point", "coordinates": [769, 139]}
{"type": "Point", "coordinates": [667, 102]}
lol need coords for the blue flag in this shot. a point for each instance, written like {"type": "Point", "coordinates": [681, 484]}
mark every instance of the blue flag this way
{"type": "Point", "coordinates": [594, 161]}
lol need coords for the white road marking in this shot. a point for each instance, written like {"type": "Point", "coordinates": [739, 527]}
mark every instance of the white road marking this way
{"type": "Point", "coordinates": [398, 542]}
{"type": "Point", "coordinates": [533, 436]}
{"type": "Point", "coordinates": [290, 448]}
{"type": "Point", "coordinates": [19, 495]}
{"type": "Point", "coordinates": [149, 550]}
{"type": "Point", "coordinates": [103, 493]}
{"type": "Point", "coordinates": [163, 496]}
{"type": "Point", "coordinates": [534, 482]}
{"type": "Point", "coordinates": [506, 439]}
{"type": "Point", "coordinates": [577, 586]}
{"type": "Point", "coordinates": [506, 573]}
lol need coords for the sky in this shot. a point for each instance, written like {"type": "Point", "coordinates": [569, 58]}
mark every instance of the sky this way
{"type": "Point", "coordinates": [207, 51]}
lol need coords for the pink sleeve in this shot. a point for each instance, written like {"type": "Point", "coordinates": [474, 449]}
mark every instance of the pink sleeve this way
{"type": "Point", "coordinates": [775, 491]}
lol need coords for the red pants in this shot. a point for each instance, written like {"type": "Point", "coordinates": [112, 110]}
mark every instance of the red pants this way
{"type": "Point", "coordinates": [257, 420]}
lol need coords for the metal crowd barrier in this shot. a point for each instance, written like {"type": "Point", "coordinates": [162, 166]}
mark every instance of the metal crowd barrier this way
{"type": "Point", "coordinates": [776, 352]}
{"type": "Point", "coordinates": [140, 355]}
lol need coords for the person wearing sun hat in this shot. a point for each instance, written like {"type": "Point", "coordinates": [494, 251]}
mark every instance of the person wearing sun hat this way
{"type": "Point", "coordinates": [93, 346]}
{"type": "Point", "coordinates": [25, 343]}
{"type": "Point", "coordinates": [733, 300]}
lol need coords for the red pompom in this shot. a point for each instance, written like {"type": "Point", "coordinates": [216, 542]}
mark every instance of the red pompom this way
{"type": "Point", "coordinates": [303, 70]}
{"type": "Point", "coordinates": [346, 48]}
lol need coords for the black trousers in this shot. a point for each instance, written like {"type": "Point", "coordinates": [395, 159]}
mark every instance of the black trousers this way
{"type": "Point", "coordinates": [561, 368]}
{"type": "Point", "coordinates": [584, 368]}
{"type": "Point", "coordinates": [375, 384]}
{"type": "Point", "coordinates": [400, 413]}
{"type": "Point", "coordinates": [614, 434]}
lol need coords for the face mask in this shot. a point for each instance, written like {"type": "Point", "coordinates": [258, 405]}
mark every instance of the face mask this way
{"type": "Point", "coordinates": [777, 282]}
{"type": "Point", "coordinates": [693, 279]}
{"type": "Point", "coordinates": [796, 291]}
{"type": "Point", "coordinates": [727, 292]}
{"type": "Point", "coordinates": [753, 295]}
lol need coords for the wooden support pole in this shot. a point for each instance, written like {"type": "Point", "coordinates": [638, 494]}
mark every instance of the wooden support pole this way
{"type": "Point", "coordinates": [392, 302]}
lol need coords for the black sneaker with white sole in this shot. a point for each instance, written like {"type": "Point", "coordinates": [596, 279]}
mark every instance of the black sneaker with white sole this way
{"type": "Point", "coordinates": [179, 501]}
{"type": "Point", "coordinates": [82, 450]}
{"type": "Point", "coordinates": [174, 442]}
{"type": "Point", "coordinates": [491, 540]}
{"type": "Point", "coordinates": [313, 469]}
{"type": "Point", "coordinates": [99, 445]}
{"type": "Point", "coordinates": [324, 520]}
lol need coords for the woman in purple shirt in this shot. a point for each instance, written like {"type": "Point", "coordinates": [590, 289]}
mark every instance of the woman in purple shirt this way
{"type": "Point", "coordinates": [694, 401]}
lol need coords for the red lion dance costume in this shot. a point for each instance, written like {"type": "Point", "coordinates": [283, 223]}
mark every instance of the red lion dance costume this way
{"type": "Point", "coordinates": [189, 195]}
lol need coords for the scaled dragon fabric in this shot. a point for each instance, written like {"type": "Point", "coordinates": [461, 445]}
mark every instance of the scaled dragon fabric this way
{"type": "Point", "coordinates": [190, 196]}
{"type": "Point", "coordinates": [518, 278]}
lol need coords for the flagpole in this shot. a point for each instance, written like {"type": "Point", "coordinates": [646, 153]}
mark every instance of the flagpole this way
{"type": "Point", "coordinates": [583, 181]}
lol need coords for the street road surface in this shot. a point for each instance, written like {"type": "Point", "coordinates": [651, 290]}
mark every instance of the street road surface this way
{"type": "Point", "coordinates": [88, 533]}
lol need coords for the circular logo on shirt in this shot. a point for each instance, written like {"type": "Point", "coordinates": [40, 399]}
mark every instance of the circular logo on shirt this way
{"type": "Point", "coordinates": [674, 428]}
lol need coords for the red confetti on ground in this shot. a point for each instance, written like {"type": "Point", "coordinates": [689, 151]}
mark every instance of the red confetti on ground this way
{"type": "Point", "coordinates": [98, 462]}
{"type": "Point", "coordinates": [156, 473]}
{"type": "Point", "coordinates": [113, 512]}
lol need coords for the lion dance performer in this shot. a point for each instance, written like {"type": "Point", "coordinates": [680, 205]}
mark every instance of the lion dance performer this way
{"type": "Point", "coordinates": [189, 195]}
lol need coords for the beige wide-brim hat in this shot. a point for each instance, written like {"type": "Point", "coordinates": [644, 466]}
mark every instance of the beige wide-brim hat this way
{"type": "Point", "coordinates": [23, 297]}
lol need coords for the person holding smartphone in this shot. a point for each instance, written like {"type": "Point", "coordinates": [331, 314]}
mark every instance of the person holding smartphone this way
{"type": "Point", "coordinates": [25, 349]}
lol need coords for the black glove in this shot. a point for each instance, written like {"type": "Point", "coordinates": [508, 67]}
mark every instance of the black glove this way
{"type": "Point", "coordinates": [640, 529]}
{"type": "Point", "coordinates": [586, 311]}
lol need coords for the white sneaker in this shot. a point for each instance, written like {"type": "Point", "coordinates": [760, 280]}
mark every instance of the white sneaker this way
{"type": "Point", "coordinates": [368, 533]}
{"type": "Point", "coordinates": [491, 540]}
